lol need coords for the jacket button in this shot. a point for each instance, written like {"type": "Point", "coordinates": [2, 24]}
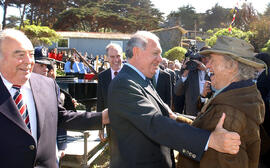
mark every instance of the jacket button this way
{"type": "Point", "coordinates": [31, 147]}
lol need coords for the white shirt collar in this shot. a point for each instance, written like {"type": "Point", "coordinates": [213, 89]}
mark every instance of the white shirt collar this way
{"type": "Point", "coordinates": [112, 72]}
{"type": "Point", "coordinates": [9, 85]}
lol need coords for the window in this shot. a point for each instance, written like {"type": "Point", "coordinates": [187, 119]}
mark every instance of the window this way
{"type": "Point", "coordinates": [63, 43]}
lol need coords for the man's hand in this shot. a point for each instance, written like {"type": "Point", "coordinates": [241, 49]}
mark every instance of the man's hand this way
{"type": "Point", "coordinates": [101, 135]}
{"type": "Point", "coordinates": [105, 117]}
{"type": "Point", "coordinates": [206, 88]}
{"type": "Point", "coordinates": [172, 115]}
{"type": "Point", "coordinates": [223, 140]}
{"type": "Point", "coordinates": [201, 66]}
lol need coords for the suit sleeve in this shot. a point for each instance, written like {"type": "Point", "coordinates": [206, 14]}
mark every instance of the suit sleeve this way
{"type": "Point", "coordinates": [77, 120]}
{"type": "Point", "coordinates": [100, 97]}
{"type": "Point", "coordinates": [130, 102]}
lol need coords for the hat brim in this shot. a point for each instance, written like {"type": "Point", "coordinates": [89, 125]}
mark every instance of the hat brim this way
{"type": "Point", "coordinates": [43, 61]}
{"type": "Point", "coordinates": [251, 61]}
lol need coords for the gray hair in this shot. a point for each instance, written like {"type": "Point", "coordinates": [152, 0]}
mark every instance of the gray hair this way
{"type": "Point", "coordinates": [245, 71]}
{"type": "Point", "coordinates": [115, 46]}
{"type": "Point", "coordinates": [10, 33]}
{"type": "Point", "coordinates": [140, 40]}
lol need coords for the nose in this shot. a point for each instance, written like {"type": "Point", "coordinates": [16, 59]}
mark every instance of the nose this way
{"type": "Point", "coordinates": [46, 69]}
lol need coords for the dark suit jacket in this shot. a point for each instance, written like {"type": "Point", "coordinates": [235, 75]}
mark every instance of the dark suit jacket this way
{"type": "Point", "coordinates": [263, 85]}
{"type": "Point", "coordinates": [191, 90]}
{"type": "Point", "coordinates": [142, 132]}
{"type": "Point", "coordinates": [164, 87]}
{"type": "Point", "coordinates": [104, 79]}
{"type": "Point", "coordinates": [18, 147]}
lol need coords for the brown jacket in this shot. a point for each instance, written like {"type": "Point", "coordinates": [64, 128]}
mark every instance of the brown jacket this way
{"type": "Point", "coordinates": [244, 110]}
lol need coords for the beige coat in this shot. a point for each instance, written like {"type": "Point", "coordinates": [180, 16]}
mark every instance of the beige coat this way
{"type": "Point", "coordinates": [244, 110]}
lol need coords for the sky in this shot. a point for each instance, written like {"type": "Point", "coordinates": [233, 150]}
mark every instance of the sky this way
{"type": "Point", "coordinates": [166, 6]}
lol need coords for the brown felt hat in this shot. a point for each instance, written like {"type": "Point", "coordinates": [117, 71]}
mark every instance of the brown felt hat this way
{"type": "Point", "coordinates": [238, 49]}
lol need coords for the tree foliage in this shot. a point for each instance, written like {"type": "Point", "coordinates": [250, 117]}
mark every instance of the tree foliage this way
{"type": "Point", "coordinates": [12, 21]}
{"type": "Point", "coordinates": [114, 15]}
{"type": "Point", "coordinates": [175, 53]}
{"type": "Point", "coordinates": [234, 33]}
{"type": "Point", "coordinates": [261, 29]}
{"type": "Point", "coordinates": [267, 47]}
{"type": "Point", "coordinates": [216, 17]}
{"type": "Point", "coordinates": [40, 35]}
{"type": "Point", "coordinates": [267, 11]}
{"type": "Point", "coordinates": [185, 16]}
{"type": "Point", "coordinates": [245, 17]}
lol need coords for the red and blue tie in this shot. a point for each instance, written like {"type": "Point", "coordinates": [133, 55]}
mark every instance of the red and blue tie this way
{"type": "Point", "coordinates": [21, 106]}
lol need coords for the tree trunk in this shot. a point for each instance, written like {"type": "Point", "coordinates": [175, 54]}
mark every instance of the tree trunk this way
{"type": "Point", "coordinates": [31, 15]}
{"type": "Point", "coordinates": [22, 16]}
{"type": "Point", "coordinates": [4, 14]}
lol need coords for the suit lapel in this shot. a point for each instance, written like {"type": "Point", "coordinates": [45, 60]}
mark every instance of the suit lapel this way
{"type": "Point", "coordinates": [145, 85]}
{"type": "Point", "coordinates": [109, 77]}
{"type": "Point", "coordinates": [37, 94]}
{"type": "Point", "coordinates": [9, 109]}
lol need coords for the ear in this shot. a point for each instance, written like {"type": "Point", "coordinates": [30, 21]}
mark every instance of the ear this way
{"type": "Point", "coordinates": [136, 51]}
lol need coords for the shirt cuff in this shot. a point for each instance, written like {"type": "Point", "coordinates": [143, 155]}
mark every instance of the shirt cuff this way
{"type": "Point", "coordinates": [206, 146]}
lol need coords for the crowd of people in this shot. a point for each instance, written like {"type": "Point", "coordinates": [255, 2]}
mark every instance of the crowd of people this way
{"type": "Point", "coordinates": [212, 109]}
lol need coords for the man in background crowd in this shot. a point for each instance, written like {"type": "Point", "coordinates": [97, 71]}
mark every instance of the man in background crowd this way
{"type": "Point", "coordinates": [193, 83]}
{"type": "Point", "coordinates": [115, 58]}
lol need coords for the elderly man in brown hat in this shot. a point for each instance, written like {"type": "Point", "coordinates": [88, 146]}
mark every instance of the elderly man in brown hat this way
{"type": "Point", "coordinates": [233, 66]}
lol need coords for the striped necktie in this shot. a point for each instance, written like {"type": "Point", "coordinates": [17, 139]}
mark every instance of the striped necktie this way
{"type": "Point", "coordinates": [21, 106]}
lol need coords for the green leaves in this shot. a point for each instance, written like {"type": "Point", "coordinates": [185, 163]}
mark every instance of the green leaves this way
{"type": "Point", "coordinates": [234, 33]}
{"type": "Point", "coordinates": [40, 35]}
{"type": "Point", "coordinates": [114, 15]}
{"type": "Point", "coordinates": [175, 53]}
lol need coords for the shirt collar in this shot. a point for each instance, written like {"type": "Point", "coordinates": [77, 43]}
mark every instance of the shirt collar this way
{"type": "Point", "coordinates": [135, 69]}
{"type": "Point", "coordinates": [117, 70]}
{"type": "Point", "coordinates": [9, 85]}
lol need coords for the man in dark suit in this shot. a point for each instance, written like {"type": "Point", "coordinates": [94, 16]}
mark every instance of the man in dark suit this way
{"type": "Point", "coordinates": [164, 86]}
{"type": "Point", "coordinates": [115, 58]}
{"type": "Point", "coordinates": [142, 131]}
{"type": "Point", "coordinates": [29, 133]}
{"type": "Point", "coordinates": [193, 85]}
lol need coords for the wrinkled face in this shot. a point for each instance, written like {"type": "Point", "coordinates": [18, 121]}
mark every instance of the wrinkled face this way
{"type": "Point", "coordinates": [222, 71]}
{"type": "Point", "coordinates": [40, 69]}
{"type": "Point", "coordinates": [114, 58]}
{"type": "Point", "coordinates": [149, 59]}
{"type": "Point", "coordinates": [17, 60]}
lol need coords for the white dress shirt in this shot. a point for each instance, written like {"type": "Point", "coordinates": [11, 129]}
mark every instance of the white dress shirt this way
{"type": "Point", "coordinates": [112, 72]}
{"type": "Point", "coordinates": [28, 100]}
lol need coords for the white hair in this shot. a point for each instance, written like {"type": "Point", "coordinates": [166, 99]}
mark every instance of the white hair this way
{"type": "Point", "coordinates": [114, 46]}
{"type": "Point", "coordinates": [11, 33]}
{"type": "Point", "coordinates": [140, 39]}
